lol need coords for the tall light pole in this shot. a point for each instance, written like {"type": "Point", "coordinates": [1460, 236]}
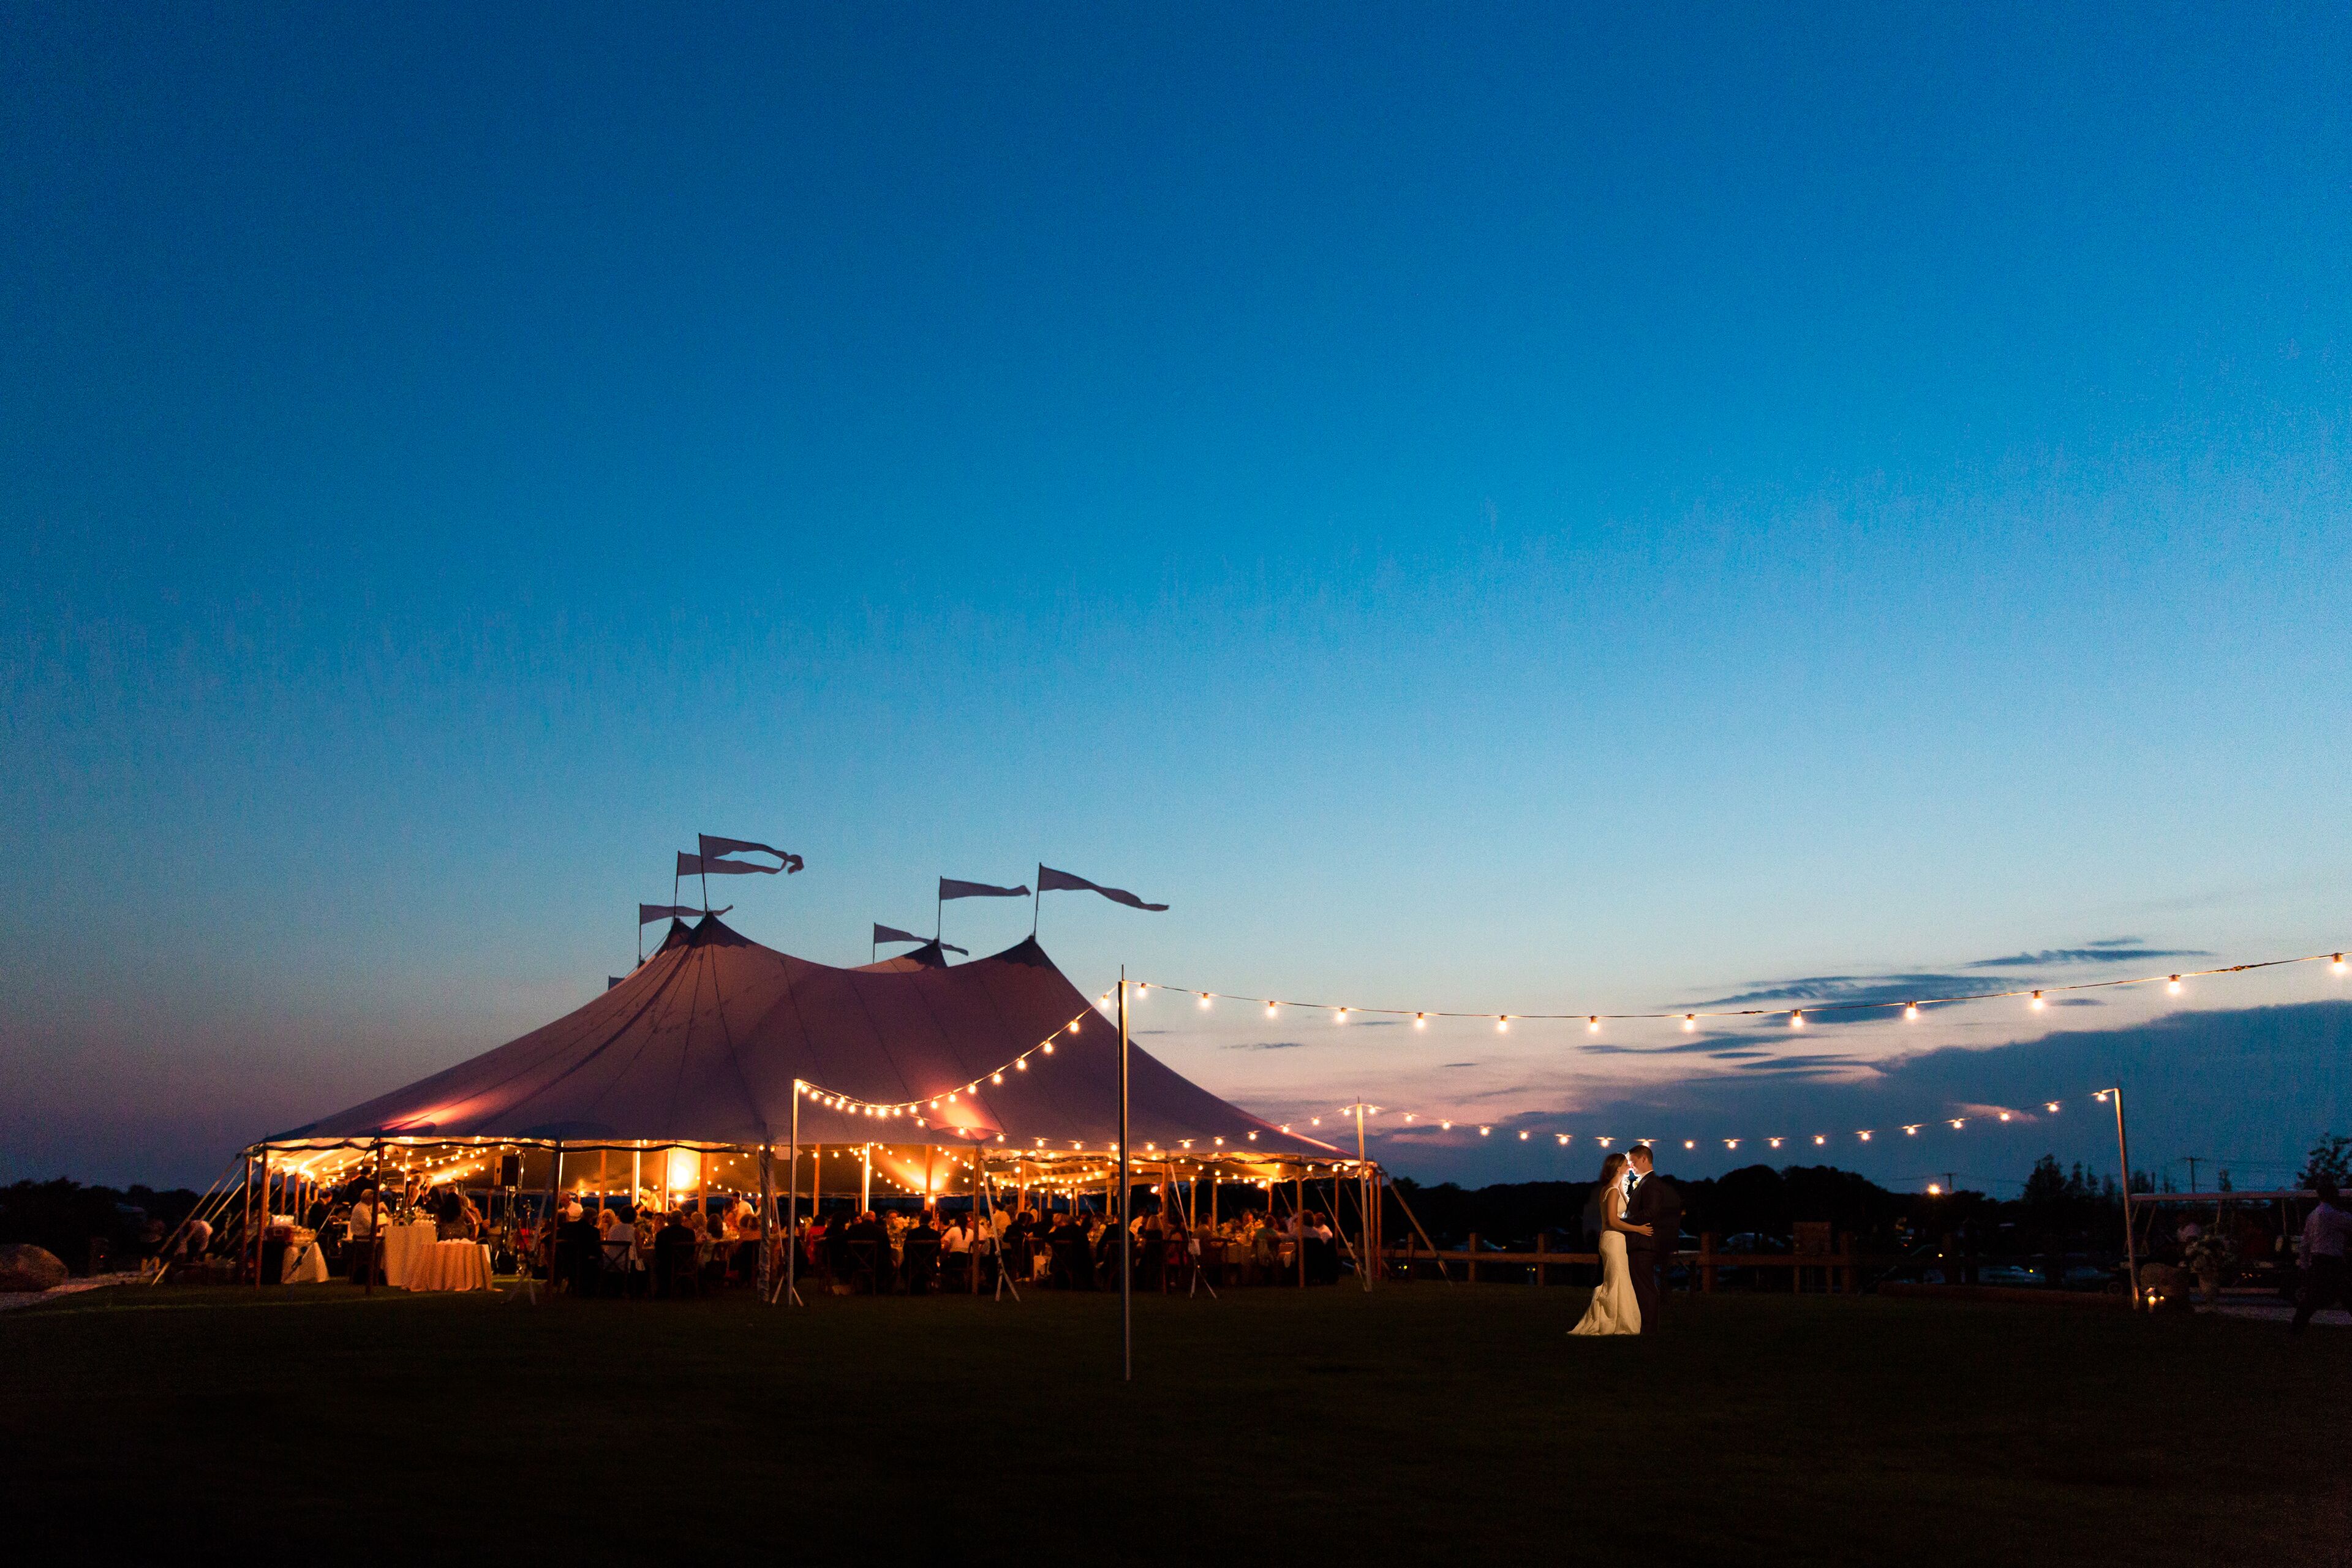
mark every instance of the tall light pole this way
{"type": "Point", "coordinates": [1125, 1197]}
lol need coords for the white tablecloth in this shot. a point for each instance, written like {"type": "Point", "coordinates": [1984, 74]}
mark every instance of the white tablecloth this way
{"type": "Point", "coordinates": [305, 1264]}
{"type": "Point", "coordinates": [400, 1243]}
{"type": "Point", "coordinates": [451, 1266]}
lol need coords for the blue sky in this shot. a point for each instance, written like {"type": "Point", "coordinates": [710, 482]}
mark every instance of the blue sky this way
{"type": "Point", "coordinates": [1534, 510]}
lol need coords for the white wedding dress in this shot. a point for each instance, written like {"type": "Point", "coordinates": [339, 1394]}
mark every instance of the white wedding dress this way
{"type": "Point", "coordinates": [1615, 1309]}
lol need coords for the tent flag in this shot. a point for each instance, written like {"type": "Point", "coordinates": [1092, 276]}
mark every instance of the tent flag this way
{"type": "Point", "coordinates": [1052, 881]}
{"type": "Point", "coordinates": [613, 980]}
{"type": "Point", "coordinates": [883, 933]}
{"type": "Point", "coordinates": [648, 913]}
{"type": "Point", "coordinates": [951, 888]}
{"type": "Point", "coordinates": [712, 847]}
{"type": "Point", "coordinates": [711, 866]}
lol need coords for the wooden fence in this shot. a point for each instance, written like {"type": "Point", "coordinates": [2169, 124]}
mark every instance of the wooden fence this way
{"type": "Point", "coordinates": [1835, 1272]}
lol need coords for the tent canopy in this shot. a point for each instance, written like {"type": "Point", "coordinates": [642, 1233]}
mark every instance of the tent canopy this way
{"type": "Point", "coordinates": [704, 1041]}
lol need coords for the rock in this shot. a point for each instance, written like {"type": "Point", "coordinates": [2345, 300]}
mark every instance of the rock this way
{"type": "Point", "coordinates": [29, 1269]}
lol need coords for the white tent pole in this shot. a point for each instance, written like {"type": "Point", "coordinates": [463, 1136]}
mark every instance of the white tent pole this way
{"type": "Point", "coordinates": [792, 1214]}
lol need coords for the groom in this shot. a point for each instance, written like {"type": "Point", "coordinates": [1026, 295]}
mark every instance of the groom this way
{"type": "Point", "coordinates": [1652, 1201]}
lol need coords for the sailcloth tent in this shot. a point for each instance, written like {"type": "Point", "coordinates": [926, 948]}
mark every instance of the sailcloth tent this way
{"type": "Point", "coordinates": [707, 1040]}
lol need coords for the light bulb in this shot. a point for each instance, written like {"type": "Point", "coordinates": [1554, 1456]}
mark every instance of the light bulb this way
{"type": "Point", "coordinates": [1865, 1137]}
{"type": "Point", "coordinates": [1731, 1142]}
{"type": "Point", "coordinates": [1205, 998]}
{"type": "Point", "coordinates": [1340, 1017]}
{"type": "Point", "coordinates": [1819, 1140]}
{"type": "Point", "coordinates": [2172, 986]}
{"type": "Point", "coordinates": [2336, 966]}
{"type": "Point", "coordinates": [1503, 1025]}
{"type": "Point", "coordinates": [1269, 1009]}
{"type": "Point", "coordinates": [2038, 1002]}
{"type": "Point", "coordinates": [1911, 1130]}
{"type": "Point", "coordinates": [1420, 1020]}
{"type": "Point", "coordinates": [1592, 1025]}
{"type": "Point", "coordinates": [996, 1077]}
{"type": "Point", "coordinates": [2004, 1116]}
{"type": "Point", "coordinates": [1797, 1019]}
{"type": "Point", "coordinates": [1522, 1137]}
{"type": "Point", "coordinates": [1047, 1048]}
{"type": "Point", "coordinates": [1911, 1012]}
{"type": "Point", "coordinates": [1484, 1130]}
{"type": "Point", "coordinates": [1690, 1143]}
{"type": "Point", "coordinates": [1690, 1022]}
{"type": "Point", "coordinates": [2052, 1107]}
{"type": "Point", "coordinates": [1956, 1122]}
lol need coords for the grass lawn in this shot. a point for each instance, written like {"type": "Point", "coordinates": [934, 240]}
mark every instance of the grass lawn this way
{"type": "Point", "coordinates": [1320, 1426]}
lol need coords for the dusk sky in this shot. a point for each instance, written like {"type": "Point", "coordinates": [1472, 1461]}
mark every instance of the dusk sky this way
{"type": "Point", "coordinates": [1497, 508]}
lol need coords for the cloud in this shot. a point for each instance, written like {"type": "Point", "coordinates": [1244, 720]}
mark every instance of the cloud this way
{"type": "Point", "coordinates": [2114, 950]}
{"type": "Point", "coordinates": [1267, 1045]}
{"type": "Point", "coordinates": [1857, 998]}
{"type": "Point", "coordinates": [1457, 1064]}
{"type": "Point", "coordinates": [1734, 1056]}
{"type": "Point", "coordinates": [2077, 1002]}
{"type": "Point", "coordinates": [1706, 1042]}
{"type": "Point", "coordinates": [1816, 1064]}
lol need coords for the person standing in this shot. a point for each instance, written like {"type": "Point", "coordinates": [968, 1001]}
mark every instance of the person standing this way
{"type": "Point", "coordinates": [1615, 1308]}
{"type": "Point", "coordinates": [2327, 1232]}
{"type": "Point", "coordinates": [1654, 1203]}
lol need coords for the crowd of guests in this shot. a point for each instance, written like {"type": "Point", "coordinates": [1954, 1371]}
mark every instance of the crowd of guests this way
{"type": "Point", "coordinates": [1075, 1249]}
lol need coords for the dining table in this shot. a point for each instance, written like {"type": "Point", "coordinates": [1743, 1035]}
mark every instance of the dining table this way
{"type": "Point", "coordinates": [450, 1266]}
{"type": "Point", "coordinates": [400, 1245]}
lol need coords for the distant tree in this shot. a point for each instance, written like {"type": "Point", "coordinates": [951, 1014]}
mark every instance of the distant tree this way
{"type": "Point", "coordinates": [2331, 1158]}
{"type": "Point", "coordinates": [2045, 1193]}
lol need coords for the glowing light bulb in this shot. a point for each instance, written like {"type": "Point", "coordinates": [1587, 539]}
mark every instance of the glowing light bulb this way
{"type": "Point", "coordinates": [1420, 1020]}
{"type": "Point", "coordinates": [1911, 1012]}
{"type": "Point", "coordinates": [1911, 1130]}
{"type": "Point", "coordinates": [1074, 1029]}
{"type": "Point", "coordinates": [1269, 1009]}
{"type": "Point", "coordinates": [1819, 1140]}
{"type": "Point", "coordinates": [1731, 1142]}
{"type": "Point", "coordinates": [2004, 1116]}
{"type": "Point", "coordinates": [1340, 1016]}
{"type": "Point", "coordinates": [1956, 1122]}
{"type": "Point", "coordinates": [1503, 1025]}
{"type": "Point", "coordinates": [2172, 986]}
{"type": "Point", "coordinates": [1797, 1019]}
{"type": "Point", "coordinates": [1445, 1127]}
{"type": "Point", "coordinates": [1592, 1025]}
{"type": "Point", "coordinates": [1690, 1022]}
{"type": "Point", "coordinates": [1484, 1130]}
{"type": "Point", "coordinates": [1563, 1139]}
{"type": "Point", "coordinates": [2038, 1002]}
{"type": "Point", "coordinates": [2052, 1107]}
{"type": "Point", "coordinates": [1935, 1189]}
{"type": "Point", "coordinates": [1865, 1136]}
{"type": "Point", "coordinates": [2335, 964]}
{"type": "Point", "coordinates": [1690, 1143]}
{"type": "Point", "coordinates": [1047, 1048]}
{"type": "Point", "coordinates": [1522, 1137]}
{"type": "Point", "coordinates": [1204, 999]}
{"type": "Point", "coordinates": [996, 1077]}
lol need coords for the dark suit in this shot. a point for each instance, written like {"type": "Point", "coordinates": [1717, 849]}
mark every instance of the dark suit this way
{"type": "Point", "coordinates": [1655, 1204]}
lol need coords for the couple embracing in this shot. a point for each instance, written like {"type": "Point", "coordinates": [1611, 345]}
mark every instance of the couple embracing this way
{"type": "Point", "coordinates": [1641, 1216]}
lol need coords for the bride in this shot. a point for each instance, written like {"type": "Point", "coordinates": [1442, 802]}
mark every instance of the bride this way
{"type": "Point", "coordinates": [1613, 1311]}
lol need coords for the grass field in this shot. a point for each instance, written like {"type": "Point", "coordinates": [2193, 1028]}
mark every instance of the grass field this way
{"type": "Point", "coordinates": [1324, 1427]}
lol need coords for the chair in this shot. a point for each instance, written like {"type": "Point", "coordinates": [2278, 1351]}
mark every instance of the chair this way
{"type": "Point", "coordinates": [860, 1267]}
{"type": "Point", "coordinates": [923, 1264]}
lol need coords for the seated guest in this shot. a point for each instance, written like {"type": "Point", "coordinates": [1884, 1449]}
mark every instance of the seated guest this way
{"type": "Point", "coordinates": [698, 1223]}
{"type": "Point", "coordinates": [675, 1254]}
{"type": "Point", "coordinates": [1073, 1268]}
{"type": "Point", "coordinates": [580, 1252]}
